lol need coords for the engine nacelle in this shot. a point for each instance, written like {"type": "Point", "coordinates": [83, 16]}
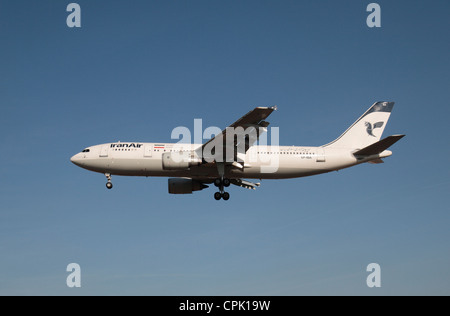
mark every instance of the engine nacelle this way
{"type": "Point", "coordinates": [185, 186]}
{"type": "Point", "coordinates": [179, 160]}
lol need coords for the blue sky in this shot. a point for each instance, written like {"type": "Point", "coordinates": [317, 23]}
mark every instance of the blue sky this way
{"type": "Point", "coordinates": [137, 69]}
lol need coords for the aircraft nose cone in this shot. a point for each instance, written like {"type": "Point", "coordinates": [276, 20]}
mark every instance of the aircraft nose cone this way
{"type": "Point", "coordinates": [75, 159]}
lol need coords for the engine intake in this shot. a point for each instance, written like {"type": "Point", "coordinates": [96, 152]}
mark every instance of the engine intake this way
{"type": "Point", "coordinates": [185, 186]}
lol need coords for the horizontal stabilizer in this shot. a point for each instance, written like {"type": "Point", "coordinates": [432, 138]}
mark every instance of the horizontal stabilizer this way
{"type": "Point", "coordinates": [379, 146]}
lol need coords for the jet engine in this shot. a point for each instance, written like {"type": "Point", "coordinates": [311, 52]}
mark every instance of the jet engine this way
{"type": "Point", "coordinates": [185, 186]}
{"type": "Point", "coordinates": [179, 160]}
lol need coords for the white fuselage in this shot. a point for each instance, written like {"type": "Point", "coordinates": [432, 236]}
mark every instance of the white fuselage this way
{"type": "Point", "coordinates": [260, 162]}
{"type": "Point", "coordinates": [232, 156]}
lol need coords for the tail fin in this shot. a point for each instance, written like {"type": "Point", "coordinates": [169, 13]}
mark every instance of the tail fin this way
{"type": "Point", "coordinates": [367, 130]}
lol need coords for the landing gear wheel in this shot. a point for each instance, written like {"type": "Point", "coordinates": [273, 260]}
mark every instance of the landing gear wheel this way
{"type": "Point", "coordinates": [226, 196]}
{"type": "Point", "coordinates": [222, 183]}
{"type": "Point", "coordinates": [109, 185]}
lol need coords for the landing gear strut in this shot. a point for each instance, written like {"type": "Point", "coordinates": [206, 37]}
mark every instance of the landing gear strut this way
{"type": "Point", "coordinates": [109, 184]}
{"type": "Point", "coordinates": [221, 183]}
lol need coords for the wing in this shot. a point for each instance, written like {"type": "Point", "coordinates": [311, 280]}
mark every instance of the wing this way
{"type": "Point", "coordinates": [237, 182]}
{"type": "Point", "coordinates": [245, 184]}
{"type": "Point", "coordinates": [236, 139]}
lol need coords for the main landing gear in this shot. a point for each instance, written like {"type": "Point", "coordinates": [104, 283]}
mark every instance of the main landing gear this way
{"type": "Point", "coordinates": [109, 184]}
{"type": "Point", "coordinates": [221, 183]}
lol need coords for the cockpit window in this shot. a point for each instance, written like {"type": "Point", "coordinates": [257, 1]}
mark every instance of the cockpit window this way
{"type": "Point", "coordinates": [86, 151]}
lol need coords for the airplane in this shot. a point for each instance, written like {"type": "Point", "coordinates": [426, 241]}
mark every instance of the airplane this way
{"type": "Point", "coordinates": [232, 158]}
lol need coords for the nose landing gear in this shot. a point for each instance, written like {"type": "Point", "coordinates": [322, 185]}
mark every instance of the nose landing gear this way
{"type": "Point", "coordinates": [109, 184]}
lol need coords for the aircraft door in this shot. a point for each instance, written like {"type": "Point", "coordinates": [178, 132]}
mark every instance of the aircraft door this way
{"type": "Point", "coordinates": [320, 155]}
{"type": "Point", "coordinates": [104, 151]}
{"type": "Point", "coordinates": [148, 149]}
